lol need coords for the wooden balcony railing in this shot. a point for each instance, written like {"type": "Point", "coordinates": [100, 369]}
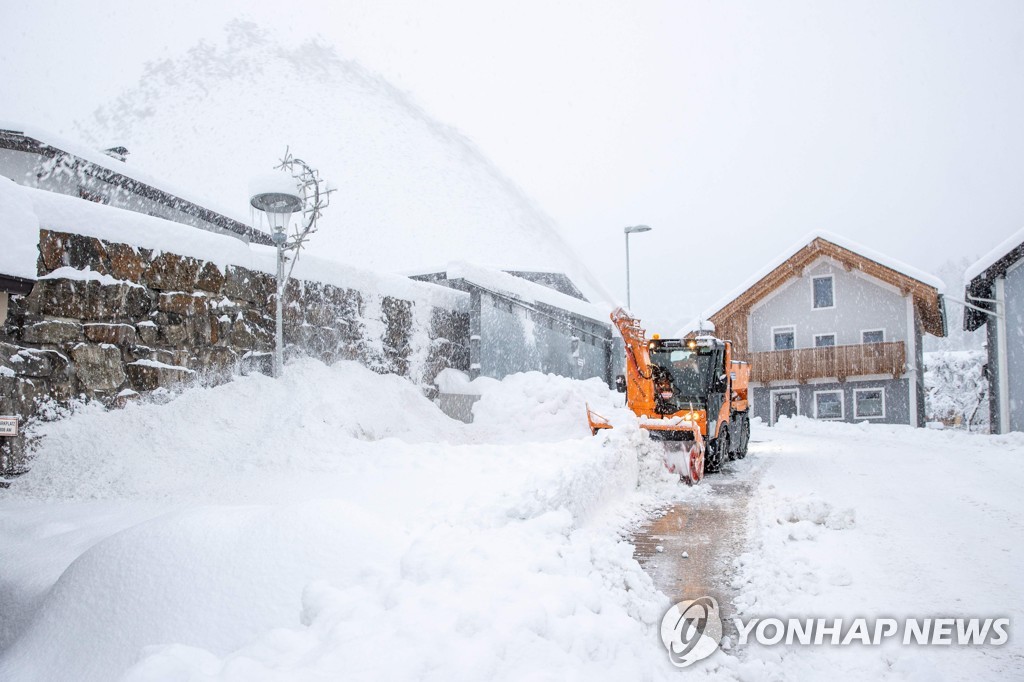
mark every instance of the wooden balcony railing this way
{"type": "Point", "coordinates": [841, 362]}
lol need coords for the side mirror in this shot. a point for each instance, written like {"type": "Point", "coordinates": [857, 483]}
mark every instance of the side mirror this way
{"type": "Point", "coordinates": [620, 383]}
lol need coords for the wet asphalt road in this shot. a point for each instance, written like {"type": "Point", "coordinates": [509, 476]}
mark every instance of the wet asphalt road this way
{"type": "Point", "coordinates": [711, 530]}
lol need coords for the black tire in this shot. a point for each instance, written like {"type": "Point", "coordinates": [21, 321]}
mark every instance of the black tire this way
{"type": "Point", "coordinates": [718, 451]}
{"type": "Point", "coordinates": [744, 440]}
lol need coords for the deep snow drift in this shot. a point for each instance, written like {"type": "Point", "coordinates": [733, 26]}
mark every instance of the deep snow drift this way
{"type": "Point", "coordinates": [335, 525]}
{"type": "Point", "coordinates": [333, 522]}
{"type": "Point", "coordinates": [871, 521]}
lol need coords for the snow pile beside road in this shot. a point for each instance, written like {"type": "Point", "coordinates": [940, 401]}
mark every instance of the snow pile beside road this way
{"type": "Point", "coordinates": [330, 524]}
{"type": "Point", "coordinates": [547, 407]}
{"type": "Point", "coordinates": [227, 442]}
{"type": "Point", "coordinates": [872, 521]}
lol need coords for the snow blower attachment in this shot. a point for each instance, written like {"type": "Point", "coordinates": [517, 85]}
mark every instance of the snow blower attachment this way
{"type": "Point", "coordinates": [688, 393]}
{"type": "Point", "coordinates": [596, 421]}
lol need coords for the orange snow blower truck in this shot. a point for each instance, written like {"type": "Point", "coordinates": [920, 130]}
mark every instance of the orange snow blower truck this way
{"type": "Point", "coordinates": [688, 393]}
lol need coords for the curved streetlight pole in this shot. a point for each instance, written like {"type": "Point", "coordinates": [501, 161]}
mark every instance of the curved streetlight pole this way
{"type": "Point", "coordinates": [279, 204]}
{"type": "Point", "coordinates": [279, 195]}
{"type": "Point", "coordinates": [628, 231]}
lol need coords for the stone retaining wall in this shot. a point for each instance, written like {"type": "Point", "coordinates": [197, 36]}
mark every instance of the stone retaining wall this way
{"type": "Point", "coordinates": [112, 322]}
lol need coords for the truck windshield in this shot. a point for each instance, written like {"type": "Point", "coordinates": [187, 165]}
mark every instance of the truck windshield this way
{"type": "Point", "coordinates": [690, 372]}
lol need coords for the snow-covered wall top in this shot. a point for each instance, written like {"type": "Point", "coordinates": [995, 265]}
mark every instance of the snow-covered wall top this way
{"type": "Point", "coordinates": [412, 193]}
{"type": "Point", "coordinates": [20, 226]}
{"type": "Point", "coordinates": [23, 211]}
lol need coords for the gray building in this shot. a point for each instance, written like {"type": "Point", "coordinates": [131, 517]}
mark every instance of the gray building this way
{"type": "Point", "coordinates": [528, 321]}
{"type": "Point", "coordinates": [41, 160]}
{"type": "Point", "coordinates": [833, 331]}
{"type": "Point", "coordinates": [995, 292]}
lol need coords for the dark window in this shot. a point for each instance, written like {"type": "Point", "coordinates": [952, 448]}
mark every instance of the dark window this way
{"type": "Point", "coordinates": [823, 294]}
{"type": "Point", "coordinates": [825, 340]}
{"type": "Point", "coordinates": [784, 339]}
{"type": "Point", "coordinates": [876, 336]}
{"type": "Point", "coordinates": [828, 405]}
{"type": "Point", "coordinates": [868, 403]}
{"type": "Point", "coordinates": [686, 374]}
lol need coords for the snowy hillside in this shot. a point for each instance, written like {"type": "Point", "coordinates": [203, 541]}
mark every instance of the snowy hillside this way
{"type": "Point", "coordinates": [412, 193]}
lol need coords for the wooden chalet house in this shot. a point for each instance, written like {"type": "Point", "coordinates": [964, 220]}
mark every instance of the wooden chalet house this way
{"type": "Point", "coordinates": [833, 331]}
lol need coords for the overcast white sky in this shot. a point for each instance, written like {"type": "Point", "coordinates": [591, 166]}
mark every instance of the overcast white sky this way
{"type": "Point", "coordinates": [731, 128]}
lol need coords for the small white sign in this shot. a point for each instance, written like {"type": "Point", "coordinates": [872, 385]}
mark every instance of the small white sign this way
{"type": "Point", "coordinates": [8, 426]}
{"type": "Point", "coordinates": [580, 362]}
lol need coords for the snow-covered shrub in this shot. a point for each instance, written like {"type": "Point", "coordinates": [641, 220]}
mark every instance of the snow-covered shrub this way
{"type": "Point", "coordinates": [956, 390]}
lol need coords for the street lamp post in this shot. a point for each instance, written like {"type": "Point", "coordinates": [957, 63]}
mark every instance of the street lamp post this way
{"type": "Point", "coordinates": [277, 196]}
{"type": "Point", "coordinates": [628, 231]}
{"type": "Point", "coordinates": [299, 189]}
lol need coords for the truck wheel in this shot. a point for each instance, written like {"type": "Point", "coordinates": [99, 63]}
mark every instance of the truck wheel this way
{"type": "Point", "coordinates": [696, 465]}
{"type": "Point", "coordinates": [718, 452]}
{"type": "Point", "coordinates": [741, 450]}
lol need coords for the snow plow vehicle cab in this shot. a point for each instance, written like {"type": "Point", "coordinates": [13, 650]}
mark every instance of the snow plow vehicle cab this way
{"type": "Point", "coordinates": [687, 392]}
{"type": "Point", "coordinates": [696, 378]}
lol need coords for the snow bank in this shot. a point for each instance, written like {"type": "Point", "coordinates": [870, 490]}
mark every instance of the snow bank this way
{"type": "Point", "coordinates": [451, 380]}
{"type": "Point", "coordinates": [871, 521]}
{"type": "Point", "coordinates": [542, 407]}
{"type": "Point", "coordinates": [332, 524]}
{"type": "Point", "coordinates": [224, 443]}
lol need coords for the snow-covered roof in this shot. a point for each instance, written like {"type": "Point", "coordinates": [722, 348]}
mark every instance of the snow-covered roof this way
{"type": "Point", "coordinates": [880, 258]}
{"type": "Point", "coordinates": [525, 290]}
{"type": "Point", "coordinates": [24, 211]}
{"type": "Point", "coordinates": [102, 160]}
{"type": "Point", "coordinates": [1012, 242]}
{"type": "Point", "coordinates": [843, 242]}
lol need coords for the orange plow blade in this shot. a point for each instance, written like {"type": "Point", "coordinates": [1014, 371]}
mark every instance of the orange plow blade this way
{"type": "Point", "coordinates": [596, 421]}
